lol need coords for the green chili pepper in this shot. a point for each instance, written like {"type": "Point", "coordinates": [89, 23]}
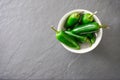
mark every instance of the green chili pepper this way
{"type": "Point", "coordinates": [92, 40]}
{"type": "Point", "coordinates": [87, 28]}
{"type": "Point", "coordinates": [88, 18]}
{"type": "Point", "coordinates": [78, 37]}
{"type": "Point", "coordinates": [66, 39]}
{"type": "Point", "coordinates": [72, 19]}
{"type": "Point", "coordinates": [92, 37]}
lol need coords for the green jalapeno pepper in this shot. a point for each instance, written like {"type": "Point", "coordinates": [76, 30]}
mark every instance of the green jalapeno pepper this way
{"type": "Point", "coordinates": [92, 37]}
{"type": "Point", "coordinates": [87, 28]}
{"type": "Point", "coordinates": [66, 39]}
{"type": "Point", "coordinates": [72, 19]}
{"type": "Point", "coordinates": [88, 18]}
{"type": "Point", "coordinates": [78, 37]}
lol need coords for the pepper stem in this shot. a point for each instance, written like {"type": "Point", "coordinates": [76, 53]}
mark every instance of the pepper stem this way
{"type": "Point", "coordinates": [52, 27]}
{"type": "Point", "coordinates": [104, 26]}
{"type": "Point", "coordinates": [93, 14]}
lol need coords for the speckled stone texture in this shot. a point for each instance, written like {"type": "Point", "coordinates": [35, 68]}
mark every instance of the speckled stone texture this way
{"type": "Point", "coordinates": [29, 50]}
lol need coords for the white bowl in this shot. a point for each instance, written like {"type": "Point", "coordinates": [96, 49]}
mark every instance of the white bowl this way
{"type": "Point", "coordinates": [84, 47]}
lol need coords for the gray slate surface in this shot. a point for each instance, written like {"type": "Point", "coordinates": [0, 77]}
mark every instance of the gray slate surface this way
{"type": "Point", "coordinates": [29, 50]}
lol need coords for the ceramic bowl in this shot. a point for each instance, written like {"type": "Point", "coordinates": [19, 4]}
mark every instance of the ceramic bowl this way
{"type": "Point", "coordinates": [84, 47]}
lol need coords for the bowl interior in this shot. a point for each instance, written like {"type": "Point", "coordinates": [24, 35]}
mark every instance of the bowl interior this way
{"type": "Point", "coordinates": [84, 47]}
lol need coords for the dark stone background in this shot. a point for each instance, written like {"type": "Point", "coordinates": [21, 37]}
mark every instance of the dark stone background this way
{"type": "Point", "coordinates": [29, 50]}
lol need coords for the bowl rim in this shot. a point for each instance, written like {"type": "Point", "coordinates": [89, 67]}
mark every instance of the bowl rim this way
{"type": "Point", "coordinates": [98, 39]}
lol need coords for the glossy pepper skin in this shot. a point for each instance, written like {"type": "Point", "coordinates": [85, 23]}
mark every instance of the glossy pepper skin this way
{"type": "Point", "coordinates": [78, 37]}
{"type": "Point", "coordinates": [87, 18]}
{"type": "Point", "coordinates": [86, 28]}
{"type": "Point", "coordinates": [72, 20]}
{"type": "Point", "coordinates": [66, 39]}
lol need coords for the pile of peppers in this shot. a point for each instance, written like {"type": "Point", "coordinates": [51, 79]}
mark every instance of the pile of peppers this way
{"type": "Point", "coordinates": [80, 28]}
